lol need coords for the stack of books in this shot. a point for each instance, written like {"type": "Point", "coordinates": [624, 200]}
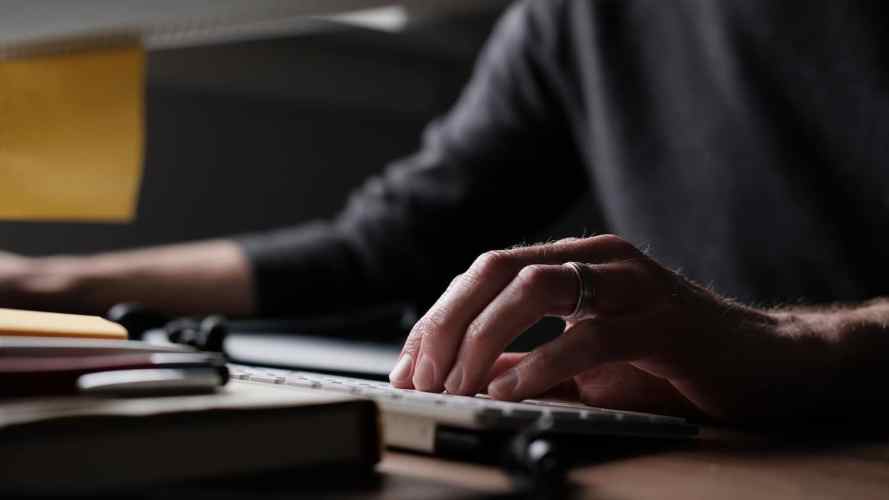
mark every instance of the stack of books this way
{"type": "Point", "coordinates": [84, 409]}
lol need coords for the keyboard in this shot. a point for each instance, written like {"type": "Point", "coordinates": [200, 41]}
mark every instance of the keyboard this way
{"type": "Point", "coordinates": [415, 419]}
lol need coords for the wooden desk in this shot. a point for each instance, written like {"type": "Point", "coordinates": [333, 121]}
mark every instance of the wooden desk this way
{"type": "Point", "coordinates": [851, 471]}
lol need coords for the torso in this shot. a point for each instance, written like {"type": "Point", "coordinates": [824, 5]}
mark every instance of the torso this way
{"type": "Point", "coordinates": [741, 141]}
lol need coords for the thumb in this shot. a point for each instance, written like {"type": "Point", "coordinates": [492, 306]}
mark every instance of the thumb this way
{"type": "Point", "coordinates": [567, 390]}
{"type": "Point", "coordinates": [583, 346]}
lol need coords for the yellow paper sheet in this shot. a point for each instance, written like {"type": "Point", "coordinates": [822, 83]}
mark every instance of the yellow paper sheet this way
{"type": "Point", "coordinates": [14, 322]}
{"type": "Point", "coordinates": [71, 135]}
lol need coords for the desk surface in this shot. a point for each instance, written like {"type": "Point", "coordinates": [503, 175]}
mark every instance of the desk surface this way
{"type": "Point", "coordinates": [858, 471]}
{"type": "Point", "coordinates": [837, 471]}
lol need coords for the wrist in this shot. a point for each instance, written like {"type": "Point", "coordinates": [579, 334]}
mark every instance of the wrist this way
{"type": "Point", "coordinates": [838, 325]}
{"type": "Point", "coordinates": [849, 348]}
{"type": "Point", "coordinates": [52, 282]}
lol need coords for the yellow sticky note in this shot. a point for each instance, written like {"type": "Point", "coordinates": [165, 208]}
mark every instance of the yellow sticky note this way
{"type": "Point", "coordinates": [14, 322]}
{"type": "Point", "coordinates": [71, 135]}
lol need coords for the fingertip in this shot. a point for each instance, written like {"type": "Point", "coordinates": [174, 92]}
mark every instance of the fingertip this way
{"type": "Point", "coordinates": [425, 375]}
{"type": "Point", "coordinates": [503, 362]}
{"type": "Point", "coordinates": [454, 383]}
{"type": "Point", "coordinates": [400, 376]}
{"type": "Point", "coordinates": [504, 386]}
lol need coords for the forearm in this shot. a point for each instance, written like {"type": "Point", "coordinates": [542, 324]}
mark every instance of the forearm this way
{"type": "Point", "coordinates": [855, 333]}
{"type": "Point", "coordinates": [192, 278]}
{"type": "Point", "coordinates": [799, 365]}
{"type": "Point", "coordinates": [848, 345]}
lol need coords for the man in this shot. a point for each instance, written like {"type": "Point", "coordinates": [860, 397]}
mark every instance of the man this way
{"type": "Point", "coordinates": [740, 141]}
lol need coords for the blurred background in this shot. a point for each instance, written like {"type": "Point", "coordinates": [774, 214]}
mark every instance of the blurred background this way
{"type": "Point", "coordinates": [259, 134]}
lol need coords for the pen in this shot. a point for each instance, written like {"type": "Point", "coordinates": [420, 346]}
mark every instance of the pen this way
{"type": "Point", "coordinates": [111, 374]}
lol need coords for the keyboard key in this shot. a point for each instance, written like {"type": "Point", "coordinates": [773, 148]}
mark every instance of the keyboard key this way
{"type": "Point", "coordinates": [335, 387]}
{"type": "Point", "coordinates": [562, 415]}
{"type": "Point", "coordinates": [574, 417]}
{"type": "Point", "coordinates": [298, 381]}
{"type": "Point", "coordinates": [559, 404]}
{"type": "Point", "coordinates": [264, 377]}
{"type": "Point", "coordinates": [525, 414]}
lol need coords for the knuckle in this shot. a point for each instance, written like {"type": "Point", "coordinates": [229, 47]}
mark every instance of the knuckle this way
{"type": "Point", "coordinates": [609, 238]}
{"type": "Point", "coordinates": [456, 279]}
{"type": "Point", "coordinates": [493, 262]}
{"type": "Point", "coordinates": [475, 333]}
{"type": "Point", "coordinates": [533, 274]}
{"type": "Point", "coordinates": [412, 344]}
{"type": "Point", "coordinates": [530, 279]}
{"type": "Point", "coordinates": [616, 244]}
{"type": "Point", "coordinates": [645, 274]}
{"type": "Point", "coordinates": [567, 239]}
{"type": "Point", "coordinates": [429, 327]}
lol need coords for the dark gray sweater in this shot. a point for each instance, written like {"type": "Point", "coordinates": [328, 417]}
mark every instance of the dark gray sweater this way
{"type": "Point", "coordinates": [742, 142]}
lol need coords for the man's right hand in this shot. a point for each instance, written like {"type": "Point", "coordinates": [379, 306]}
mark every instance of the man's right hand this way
{"type": "Point", "coordinates": [647, 338]}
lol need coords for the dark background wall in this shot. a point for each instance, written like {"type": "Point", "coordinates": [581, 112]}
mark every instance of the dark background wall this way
{"type": "Point", "coordinates": [249, 136]}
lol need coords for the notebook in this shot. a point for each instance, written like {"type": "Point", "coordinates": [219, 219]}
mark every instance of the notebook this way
{"type": "Point", "coordinates": [85, 444]}
{"type": "Point", "coordinates": [64, 426]}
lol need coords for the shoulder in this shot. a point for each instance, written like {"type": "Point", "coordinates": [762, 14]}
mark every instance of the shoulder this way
{"type": "Point", "coordinates": [535, 19]}
{"type": "Point", "coordinates": [529, 28]}
{"type": "Point", "coordinates": [555, 26]}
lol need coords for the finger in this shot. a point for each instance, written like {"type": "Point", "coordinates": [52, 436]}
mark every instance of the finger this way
{"type": "Point", "coordinates": [432, 345]}
{"type": "Point", "coordinates": [434, 339]}
{"type": "Point", "coordinates": [504, 362]}
{"type": "Point", "coordinates": [583, 346]}
{"type": "Point", "coordinates": [402, 373]}
{"type": "Point", "coordinates": [565, 391]}
{"type": "Point", "coordinates": [537, 291]}
{"type": "Point", "coordinates": [629, 285]}
{"type": "Point", "coordinates": [541, 290]}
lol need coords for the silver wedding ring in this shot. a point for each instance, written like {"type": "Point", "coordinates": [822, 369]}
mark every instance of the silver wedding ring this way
{"type": "Point", "coordinates": [585, 294]}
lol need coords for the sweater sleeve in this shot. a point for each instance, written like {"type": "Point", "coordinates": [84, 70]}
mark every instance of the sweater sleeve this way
{"type": "Point", "coordinates": [495, 169]}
